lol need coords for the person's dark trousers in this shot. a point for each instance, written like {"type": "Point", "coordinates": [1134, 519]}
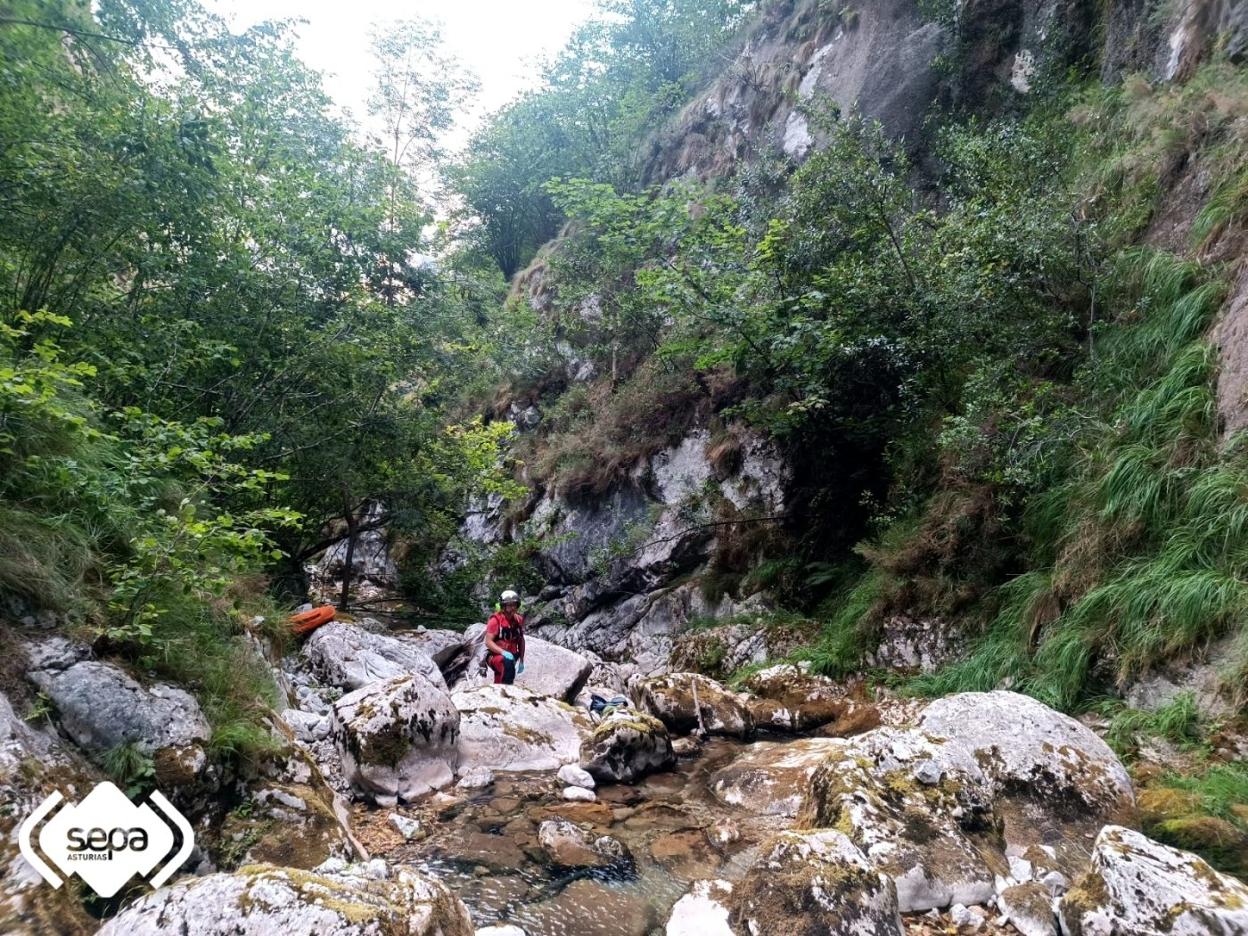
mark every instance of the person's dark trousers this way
{"type": "Point", "coordinates": [504, 669]}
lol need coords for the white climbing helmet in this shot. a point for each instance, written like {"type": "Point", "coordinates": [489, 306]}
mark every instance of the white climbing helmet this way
{"type": "Point", "coordinates": [509, 595]}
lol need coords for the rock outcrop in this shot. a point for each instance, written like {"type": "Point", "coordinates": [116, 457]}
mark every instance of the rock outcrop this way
{"type": "Point", "coordinates": [1138, 886]}
{"type": "Point", "coordinates": [264, 899]}
{"type": "Point", "coordinates": [507, 728]}
{"type": "Point", "coordinates": [351, 657]}
{"type": "Point", "coordinates": [814, 883]}
{"type": "Point", "coordinates": [788, 698]}
{"type": "Point", "coordinates": [626, 746]}
{"type": "Point", "coordinates": [100, 707]}
{"type": "Point", "coordinates": [688, 702]}
{"type": "Point", "coordinates": [397, 739]}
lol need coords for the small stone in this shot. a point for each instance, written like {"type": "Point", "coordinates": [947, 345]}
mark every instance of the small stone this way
{"type": "Point", "coordinates": [578, 794]}
{"type": "Point", "coordinates": [377, 869]}
{"type": "Point", "coordinates": [574, 775]}
{"type": "Point", "coordinates": [967, 919]}
{"type": "Point", "coordinates": [405, 826]}
{"type": "Point", "coordinates": [331, 866]}
{"type": "Point", "coordinates": [476, 778]}
{"type": "Point", "coordinates": [928, 773]}
{"type": "Point", "coordinates": [1020, 869]}
{"type": "Point", "coordinates": [723, 833]}
{"type": "Point", "coordinates": [1056, 883]}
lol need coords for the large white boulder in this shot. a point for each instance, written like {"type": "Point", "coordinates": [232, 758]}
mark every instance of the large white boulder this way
{"type": "Point", "coordinates": [815, 882]}
{"type": "Point", "coordinates": [1023, 745]}
{"type": "Point", "coordinates": [549, 669]}
{"type": "Point", "coordinates": [397, 739]}
{"type": "Point", "coordinates": [264, 900]}
{"type": "Point", "coordinates": [350, 657]}
{"type": "Point", "coordinates": [508, 728]}
{"type": "Point", "coordinates": [1139, 887]}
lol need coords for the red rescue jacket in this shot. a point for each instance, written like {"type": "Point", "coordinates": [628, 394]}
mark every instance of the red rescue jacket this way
{"type": "Point", "coordinates": [507, 630]}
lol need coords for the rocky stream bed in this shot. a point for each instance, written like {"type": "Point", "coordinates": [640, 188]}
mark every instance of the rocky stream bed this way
{"type": "Point", "coordinates": [413, 797]}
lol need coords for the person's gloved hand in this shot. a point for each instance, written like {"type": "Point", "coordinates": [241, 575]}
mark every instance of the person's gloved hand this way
{"type": "Point", "coordinates": [520, 667]}
{"type": "Point", "coordinates": [508, 655]}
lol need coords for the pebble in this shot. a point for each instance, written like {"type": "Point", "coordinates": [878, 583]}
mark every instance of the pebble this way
{"type": "Point", "coordinates": [405, 826]}
{"type": "Point", "coordinates": [579, 794]}
{"type": "Point", "coordinates": [476, 778]}
{"type": "Point", "coordinates": [575, 775]}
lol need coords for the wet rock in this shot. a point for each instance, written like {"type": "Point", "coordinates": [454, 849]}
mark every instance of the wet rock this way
{"type": "Point", "coordinates": [507, 728]}
{"type": "Point", "coordinates": [626, 746]}
{"type": "Point", "coordinates": [397, 739]}
{"type": "Point", "coordinates": [688, 702]}
{"type": "Point", "coordinates": [101, 707]}
{"type": "Point", "coordinates": [789, 698]}
{"type": "Point", "coordinates": [686, 853]}
{"type": "Point", "coordinates": [809, 883]}
{"type": "Point", "coordinates": [703, 911]}
{"type": "Point", "coordinates": [573, 775]}
{"type": "Point", "coordinates": [350, 657]}
{"type": "Point", "coordinates": [549, 669]}
{"type": "Point", "coordinates": [772, 779]}
{"type": "Point", "coordinates": [567, 845]}
{"type": "Point", "coordinates": [265, 899]}
{"type": "Point", "coordinates": [1138, 886]}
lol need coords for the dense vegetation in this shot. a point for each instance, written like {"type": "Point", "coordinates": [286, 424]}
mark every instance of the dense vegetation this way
{"type": "Point", "coordinates": [222, 342]}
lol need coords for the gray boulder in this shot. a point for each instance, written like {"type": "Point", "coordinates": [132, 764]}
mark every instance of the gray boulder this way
{"type": "Point", "coordinates": [101, 707]}
{"type": "Point", "coordinates": [1143, 888]}
{"type": "Point", "coordinates": [397, 739]}
{"type": "Point", "coordinates": [350, 657]}
{"type": "Point", "coordinates": [508, 728]}
{"type": "Point", "coordinates": [626, 746]}
{"type": "Point", "coordinates": [808, 883]}
{"type": "Point", "coordinates": [264, 900]}
{"type": "Point", "coordinates": [441, 646]}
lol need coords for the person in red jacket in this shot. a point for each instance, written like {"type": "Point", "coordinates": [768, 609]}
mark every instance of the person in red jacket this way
{"type": "Point", "coordinates": [504, 639]}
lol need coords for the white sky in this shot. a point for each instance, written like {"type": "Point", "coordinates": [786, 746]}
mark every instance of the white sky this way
{"type": "Point", "coordinates": [496, 39]}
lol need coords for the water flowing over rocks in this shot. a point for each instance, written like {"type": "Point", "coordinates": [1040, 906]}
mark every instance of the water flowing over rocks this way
{"type": "Point", "coordinates": [507, 728]}
{"type": "Point", "coordinates": [351, 657]}
{"type": "Point", "coordinates": [569, 846]}
{"type": "Point", "coordinates": [265, 901]}
{"type": "Point", "coordinates": [689, 702]}
{"type": "Point", "coordinates": [397, 739]}
{"type": "Point", "coordinates": [1138, 886]}
{"type": "Point", "coordinates": [626, 746]}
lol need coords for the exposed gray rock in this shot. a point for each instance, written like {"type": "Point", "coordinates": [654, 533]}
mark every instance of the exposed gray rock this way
{"type": "Point", "coordinates": [269, 901]}
{"type": "Point", "coordinates": [101, 707]}
{"type": "Point", "coordinates": [307, 726]}
{"type": "Point", "coordinates": [626, 746]}
{"type": "Point", "coordinates": [549, 669]}
{"type": "Point", "coordinates": [348, 656]}
{"type": "Point", "coordinates": [689, 702]}
{"type": "Point", "coordinates": [1138, 886]}
{"type": "Point", "coordinates": [915, 644]}
{"type": "Point", "coordinates": [815, 882]}
{"type": "Point", "coordinates": [507, 728]}
{"type": "Point", "coordinates": [53, 652]}
{"type": "Point", "coordinates": [789, 698]}
{"type": "Point", "coordinates": [439, 645]}
{"type": "Point", "coordinates": [773, 779]}
{"type": "Point", "coordinates": [397, 739]}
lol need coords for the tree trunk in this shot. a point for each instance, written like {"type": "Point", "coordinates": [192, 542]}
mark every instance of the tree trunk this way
{"type": "Point", "coordinates": [348, 562]}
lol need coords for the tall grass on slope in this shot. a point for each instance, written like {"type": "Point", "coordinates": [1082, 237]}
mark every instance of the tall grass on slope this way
{"type": "Point", "coordinates": [1143, 550]}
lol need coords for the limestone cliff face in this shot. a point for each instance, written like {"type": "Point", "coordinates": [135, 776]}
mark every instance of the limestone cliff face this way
{"type": "Point", "coordinates": [628, 569]}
